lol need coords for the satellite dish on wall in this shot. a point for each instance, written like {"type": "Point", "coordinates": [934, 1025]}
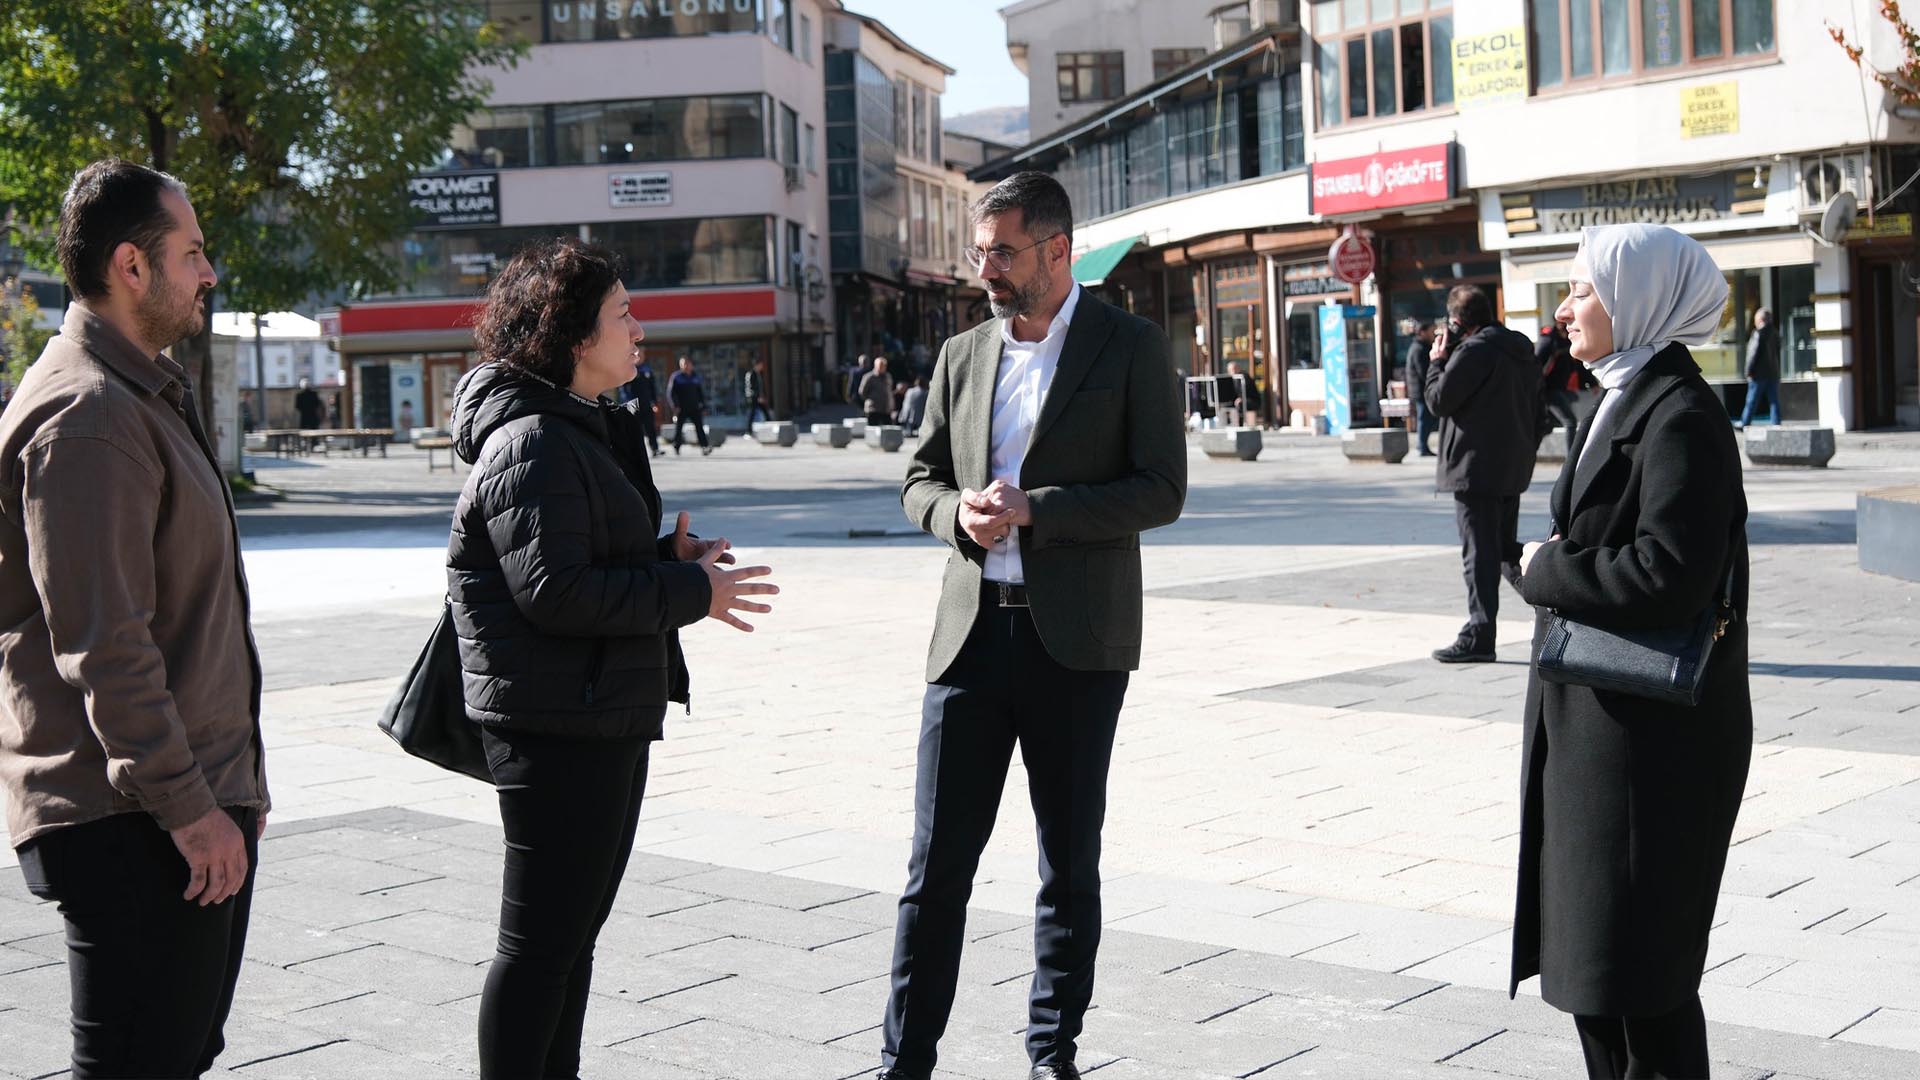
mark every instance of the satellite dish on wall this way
{"type": "Point", "coordinates": [1837, 218]}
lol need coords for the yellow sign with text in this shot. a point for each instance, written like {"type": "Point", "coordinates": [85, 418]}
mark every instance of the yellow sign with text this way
{"type": "Point", "coordinates": [1490, 68]}
{"type": "Point", "coordinates": [1713, 109]}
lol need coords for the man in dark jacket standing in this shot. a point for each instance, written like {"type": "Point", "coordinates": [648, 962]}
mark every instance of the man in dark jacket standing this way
{"type": "Point", "coordinates": [1557, 374]}
{"type": "Point", "coordinates": [1763, 369]}
{"type": "Point", "coordinates": [753, 386]}
{"type": "Point", "coordinates": [1417, 367]}
{"type": "Point", "coordinates": [1485, 388]}
{"type": "Point", "coordinates": [644, 394]}
{"type": "Point", "coordinates": [688, 395]}
{"type": "Point", "coordinates": [130, 748]}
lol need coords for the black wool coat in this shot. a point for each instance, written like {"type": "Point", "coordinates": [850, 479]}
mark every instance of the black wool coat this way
{"type": "Point", "coordinates": [566, 599]}
{"type": "Point", "coordinates": [1628, 805]}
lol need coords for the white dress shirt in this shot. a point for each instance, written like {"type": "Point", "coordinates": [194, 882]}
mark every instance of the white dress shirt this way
{"type": "Point", "coordinates": [1026, 371]}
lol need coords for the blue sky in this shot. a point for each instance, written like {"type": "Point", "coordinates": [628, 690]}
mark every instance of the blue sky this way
{"type": "Point", "coordinates": [966, 35]}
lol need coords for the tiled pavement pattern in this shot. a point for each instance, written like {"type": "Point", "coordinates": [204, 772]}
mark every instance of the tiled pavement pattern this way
{"type": "Point", "coordinates": [1309, 845]}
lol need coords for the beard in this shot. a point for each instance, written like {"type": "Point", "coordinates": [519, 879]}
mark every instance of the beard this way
{"type": "Point", "coordinates": [1026, 299]}
{"type": "Point", "coordinates": [171, 312]}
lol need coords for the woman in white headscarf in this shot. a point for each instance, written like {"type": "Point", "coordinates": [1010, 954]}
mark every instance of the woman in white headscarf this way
{"type": "Point", "coordinates": [1628, 804]}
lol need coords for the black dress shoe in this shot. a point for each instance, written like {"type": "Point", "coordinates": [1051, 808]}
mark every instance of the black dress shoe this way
{"type": "Point", "coordinates": [1067, 1071]}
{"type": "Point", "coordinates": [1464, 652]}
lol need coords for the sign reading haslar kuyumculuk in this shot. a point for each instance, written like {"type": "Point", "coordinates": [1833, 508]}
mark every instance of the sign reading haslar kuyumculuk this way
{"type": "Point", "coordinates": [1490, 68]}
{"type": "Point", "coordinates": [1713, 109]}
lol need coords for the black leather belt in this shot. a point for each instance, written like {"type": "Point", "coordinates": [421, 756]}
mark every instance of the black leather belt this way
{"type": "Point", "coordinates": [1001, 594]}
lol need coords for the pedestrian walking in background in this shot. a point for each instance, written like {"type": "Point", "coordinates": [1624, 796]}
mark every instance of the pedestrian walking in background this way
{"type": "Point", "coordinates": [1417, 366]}
{"type": "Point", "coordinates": [1043, 503]}
{"type": "Point", "coordinates": [568, 603]}
{"type": "Point", "coordinates": [1628, 804]}
{"type": "Point", "coordinates": [307, 406]}
{"type": "Point", "coordinates": [644, 394]}
{"type": "Point", "coordinates": [1559, 373]}
{"type": "Point", "coordinates": [130, 750]}
{"type": "Point", "coordinates": [1484, 386]}
{"type": "Point", "coordinates": [1763, 369]}
{"type": "Point", "coordinates": [753, 388]}
{"type": "Point", "coordinates": [876, 394]}
{"type": "Point", "coordinates": [688, 395]}
{"type": "Point", "coordinates": [914, 409]}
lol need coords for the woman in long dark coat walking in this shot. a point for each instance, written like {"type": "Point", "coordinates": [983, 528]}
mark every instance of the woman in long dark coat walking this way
{"type": "Point", "coordinates": [1628, 804]}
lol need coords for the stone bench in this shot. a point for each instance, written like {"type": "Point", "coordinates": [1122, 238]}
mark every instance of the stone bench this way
{"type": "Point", "coordinates": [837, 436]}
{"type": "Point", "coordinates": [1553, 448]}
{"type": "Point", "coordinates": [1804, 446]}
{"type": "Point", "coordinates": [889, 438]}
{"type": "Point", "coordinates": [857, 425]}
{"type": "Point", "coordinates": [776, 433]}
{"type": "Point", "coordinates": [1385, 445]}
{"type": "Point", "coordinates": [1888, 523]}
{"type": "Point", "coordinates": [1242, 443]}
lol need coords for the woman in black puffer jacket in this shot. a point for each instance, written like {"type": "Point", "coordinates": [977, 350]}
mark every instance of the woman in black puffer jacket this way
{"type": "Point", "coordinates": [568, 604]}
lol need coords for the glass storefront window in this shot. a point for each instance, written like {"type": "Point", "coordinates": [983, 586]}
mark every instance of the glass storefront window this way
{"type": "Point", "coordinates": [499, 139]}
{"type": "Point", "coordinates": [612, 20]}
{"type": "Point", "coordinates": [460, 262]}
{"type": "Point", "coordinates": [721, 365]}
{"type": "Point", "coordinates": [671, 254]}
{"type": "Point", "coordinates": [662, 129]}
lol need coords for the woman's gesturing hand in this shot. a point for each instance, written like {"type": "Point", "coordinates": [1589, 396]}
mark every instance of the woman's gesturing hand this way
{"type": "Point", "coordinates": [732, 587]}
{"type": "Point", "coordinates": [688, 548]}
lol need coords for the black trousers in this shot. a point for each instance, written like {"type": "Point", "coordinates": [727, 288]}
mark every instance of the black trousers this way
{"type": "Point", "coordinates": [569, 808]}
{"type": "Point", "coordinates": [1489, 550]}
{"type": "Point", "coordinates": [1669, 1047]}
{"type": "Point", "coordinates": [1560, 407]}
{"type": "Point", "coordinates": [680, 421]}
{"type": "Point", "coordinates": [758, 408]}
{"type": "Point", "coordinates": [151, 974]}
{"type": "Point", "coordinates": [649, 427]}
{"type": "Point", "coordinates": [1004, 690]}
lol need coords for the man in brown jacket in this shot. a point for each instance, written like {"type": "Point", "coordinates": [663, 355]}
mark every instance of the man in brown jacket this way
{"type": "Point", "coordinates": [130, 751]}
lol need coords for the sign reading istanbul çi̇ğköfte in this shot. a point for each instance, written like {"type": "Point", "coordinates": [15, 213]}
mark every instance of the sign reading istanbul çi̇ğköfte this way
{"type": "Point", "coordinates": [1393, 178]}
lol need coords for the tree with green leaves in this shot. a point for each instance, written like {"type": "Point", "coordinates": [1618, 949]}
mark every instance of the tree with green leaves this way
{"type": "Point", "coordinates": [21, 336]}
{"type": "Point", "coordinates": [295, 124]}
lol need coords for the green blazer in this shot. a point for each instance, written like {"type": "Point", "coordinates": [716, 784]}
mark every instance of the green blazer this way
{"type": "Point", "coordinates": [1107, 461]}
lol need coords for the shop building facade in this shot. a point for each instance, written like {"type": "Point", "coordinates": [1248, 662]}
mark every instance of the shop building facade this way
{"type": "Point", "coordinates": [1468, 143]}
{"type": "Point", "coordinates": [687, 138]}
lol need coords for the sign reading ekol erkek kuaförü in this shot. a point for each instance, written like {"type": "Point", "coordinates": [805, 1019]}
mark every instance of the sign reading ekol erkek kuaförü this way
{"type": "Point", "coordinates": [1383, 181]}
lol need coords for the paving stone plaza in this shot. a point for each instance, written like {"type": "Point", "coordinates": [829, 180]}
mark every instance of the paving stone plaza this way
{"type": "Point", "coordinates": [1312, 829]}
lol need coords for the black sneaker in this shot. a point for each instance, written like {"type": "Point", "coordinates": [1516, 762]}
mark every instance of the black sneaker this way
{"type": "Point", "coordinates": [1464, 652]}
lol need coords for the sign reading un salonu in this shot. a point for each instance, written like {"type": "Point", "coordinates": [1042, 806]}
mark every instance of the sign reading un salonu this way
{"type": "Point", "coordinates": [454, 200]}
{"type": "Point", "coordinates": [587, 11]}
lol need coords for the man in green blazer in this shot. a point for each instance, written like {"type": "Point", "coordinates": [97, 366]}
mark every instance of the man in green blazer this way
{"type": "Point", "coordinates": [1052, 440]}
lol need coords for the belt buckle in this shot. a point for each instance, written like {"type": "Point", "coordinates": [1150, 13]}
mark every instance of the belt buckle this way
{"type": "Point", "coordinates": [1008, 595]}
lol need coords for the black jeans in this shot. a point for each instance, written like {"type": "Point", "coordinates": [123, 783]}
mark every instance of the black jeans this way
{"type": "Point", "coordinates": [1560, 407]}
{"type": "Point", "coordinates": [151, 974]}
{"type": "Point", "coordinates": [1489, 550]}
{"type": "Point", "coordinates": [758, 408]}
{"type": "Point", "coordinates": [569, 808]}
{"type": "Point", "coordinates": [1004, 689]}
{"type": "Point", "coordinates": [649, 427]}
{"type": "Point", "coordinates": [680, 421]}
{"type": "Point", "coordinates": [1669, 1047]}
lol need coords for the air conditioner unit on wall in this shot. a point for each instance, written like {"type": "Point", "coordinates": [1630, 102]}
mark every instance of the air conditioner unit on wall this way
{"type": "Point", "coordinates": [1820, 178]}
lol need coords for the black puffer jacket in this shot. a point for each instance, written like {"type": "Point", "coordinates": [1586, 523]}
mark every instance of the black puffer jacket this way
{"type": "Point", "coordinates": [1487, 394]}
{"type": "Point", "coordinates": [566, 602]}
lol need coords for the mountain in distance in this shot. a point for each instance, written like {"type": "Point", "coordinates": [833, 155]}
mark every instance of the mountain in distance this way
{"type": "Point", "coordinates": [1005, 124]}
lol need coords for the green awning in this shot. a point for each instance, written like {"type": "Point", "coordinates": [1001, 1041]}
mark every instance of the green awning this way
{"type": "Point", "coordinates": [1093, 267]}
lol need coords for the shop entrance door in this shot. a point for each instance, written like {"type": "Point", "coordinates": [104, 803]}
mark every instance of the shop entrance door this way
{"type": "Point", "coordinates": [1887, 365]}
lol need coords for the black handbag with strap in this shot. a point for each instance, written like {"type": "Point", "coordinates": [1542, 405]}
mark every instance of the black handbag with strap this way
{"type": "Point", "coordinates": [1665, 664]}
{"type": "Point", "coordinates": [427, 715]}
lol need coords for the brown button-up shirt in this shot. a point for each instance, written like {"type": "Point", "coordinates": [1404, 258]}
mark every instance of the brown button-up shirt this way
{"type": "Point", "coordinates": [128, 675]}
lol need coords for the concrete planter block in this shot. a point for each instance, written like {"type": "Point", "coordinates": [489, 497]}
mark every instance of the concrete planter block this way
{"type": "Point", "coordinates": [888, 438]}
{"type": "Point", "coordinates": [1385, 445]}
{"type": "Point", "coordinates": [776, 433]}
{"type": "Point", "coordinates": [1888, 521]}
{"type": "Point", "coordinates": [837, 436]}
{"type": "Point", "coordinates": [1242, 443]}
{"type": "Point", "coordinates": [857, 425]}
{"type": "Point", "coordinates": [1553, 448]}
{"type": "Point", "coordinates": [1807, 447]}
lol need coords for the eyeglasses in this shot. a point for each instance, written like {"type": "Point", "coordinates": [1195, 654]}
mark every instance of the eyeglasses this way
{"type": "Point", "coordinates": [1001, 258]}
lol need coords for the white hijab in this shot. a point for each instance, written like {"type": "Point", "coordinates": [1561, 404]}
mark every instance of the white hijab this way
{"type": "Point", "coordinates": [1658, 285]}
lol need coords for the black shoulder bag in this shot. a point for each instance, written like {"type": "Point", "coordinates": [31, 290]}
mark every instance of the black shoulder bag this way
{"type": "Point", "coordinates": [427, 715]}
{"type": "Point", "coordinates": [1665, 664]}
